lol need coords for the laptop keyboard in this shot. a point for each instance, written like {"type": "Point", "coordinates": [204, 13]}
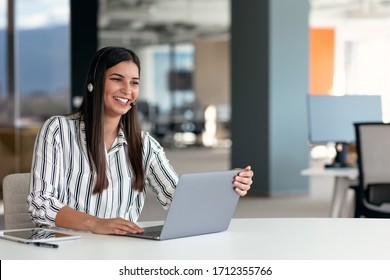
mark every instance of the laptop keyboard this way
{"type": "Point", "coordinates": [153, 231]}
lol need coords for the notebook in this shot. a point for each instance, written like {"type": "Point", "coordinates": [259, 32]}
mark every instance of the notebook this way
{"type": "Point", "coordinates": [203, 203]}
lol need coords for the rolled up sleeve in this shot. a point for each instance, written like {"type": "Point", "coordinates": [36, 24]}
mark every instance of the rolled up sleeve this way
{"type": "Point", "coordinates": [43, 199]}
{"type": "Point", "coordinates": [161, 178]}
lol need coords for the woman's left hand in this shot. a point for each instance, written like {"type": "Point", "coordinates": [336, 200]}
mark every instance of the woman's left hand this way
{"type": "Point", "coordinates": [243, 181]}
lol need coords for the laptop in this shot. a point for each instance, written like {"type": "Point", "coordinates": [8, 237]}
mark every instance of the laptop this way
{"type": "Point", "coordinates": [203, 203]}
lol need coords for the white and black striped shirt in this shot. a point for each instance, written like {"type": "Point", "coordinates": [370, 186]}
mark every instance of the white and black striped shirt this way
{"type": "Point", "coordinates": [60, 175]}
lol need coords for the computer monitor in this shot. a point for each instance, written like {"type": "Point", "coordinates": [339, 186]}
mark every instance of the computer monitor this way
{"type": "Point", "coordinates": [331, 119]}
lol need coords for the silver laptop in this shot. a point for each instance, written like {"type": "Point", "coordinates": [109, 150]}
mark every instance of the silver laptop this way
{"type": "Point", "coordinates": [202, 203]}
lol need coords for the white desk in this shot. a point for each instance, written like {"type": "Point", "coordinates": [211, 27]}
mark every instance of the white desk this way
{"type": "Point", "coordinates": [342, 179]}
{"type": "Point", "coordinates": [246, 239]}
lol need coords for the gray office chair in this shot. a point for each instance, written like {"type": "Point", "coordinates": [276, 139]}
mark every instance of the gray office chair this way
{"type": "Point", "coordinates": [15, 191]}
{"type": "Point", "coordinates": [372, 194]}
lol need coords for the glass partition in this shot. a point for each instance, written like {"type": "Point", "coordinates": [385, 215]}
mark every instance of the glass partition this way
{"type": "Point", "coordinates": [43, 59]}
{"type": "Point", "coordinates": [34, 75]}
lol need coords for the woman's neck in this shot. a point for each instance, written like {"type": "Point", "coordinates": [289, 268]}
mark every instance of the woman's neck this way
{"type": "Point", "coordinates": [111, 127]}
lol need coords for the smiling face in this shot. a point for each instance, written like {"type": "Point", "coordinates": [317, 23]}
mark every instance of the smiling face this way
{"type": "Point", "coordinates": [121, 88]}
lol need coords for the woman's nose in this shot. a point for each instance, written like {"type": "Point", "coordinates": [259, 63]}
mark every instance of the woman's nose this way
{"type": "Point", "coordinates": [127, 88]}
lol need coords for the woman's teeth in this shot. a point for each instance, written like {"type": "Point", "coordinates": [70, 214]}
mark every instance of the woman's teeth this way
{"type": "Point", "coordinates": [123, 100]}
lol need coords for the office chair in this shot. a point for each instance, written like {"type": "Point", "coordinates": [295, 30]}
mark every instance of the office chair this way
{"type": "Point", "coordinates": [372, 194]}
{"type": "Point", "coordinates": [15, 191]}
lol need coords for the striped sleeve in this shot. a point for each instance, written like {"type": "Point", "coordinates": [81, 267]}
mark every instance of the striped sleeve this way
{"type": "Point", "coordinates": [160, 177]}
{"type": "Point", "coordinates": [46, 165]}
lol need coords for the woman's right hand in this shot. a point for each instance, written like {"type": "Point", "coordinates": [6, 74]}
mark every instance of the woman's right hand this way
{"type": "Point", "coordinates": [114, 226]}
{"type": "Point", "coordinates": [72, 219]}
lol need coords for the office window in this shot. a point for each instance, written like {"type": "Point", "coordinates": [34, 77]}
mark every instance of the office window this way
{"type": "Point", "coordinates": [362, 63]}
{"type": "Point", "coordinates": [41, 64]}
{"type": "Point", "coordinates": [164, 65]}
{"type": "Point", "coordinates": [42, 59]}
{"type": "Point", "coordinates": [34, 75]}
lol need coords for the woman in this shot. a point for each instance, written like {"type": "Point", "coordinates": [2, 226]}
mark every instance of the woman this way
{"type": "Point", "coordinates": [90, 169]}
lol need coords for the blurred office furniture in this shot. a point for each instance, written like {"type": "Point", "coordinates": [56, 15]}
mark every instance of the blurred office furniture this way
{"type": "Point", "coordinates": [331, 120]}
{"type": "Point", "coordinates": [372, 193]}
{"type": "Point", "coordinates": [15, 191]}
{"type": "Point", "coordinates": [175, 127]}
{"type": "Point", "coordinates": [16, 149]}
{"type": "Point", "coordinates": [341, 179]}
{"type": "Point", "coordinates": [146, 115]}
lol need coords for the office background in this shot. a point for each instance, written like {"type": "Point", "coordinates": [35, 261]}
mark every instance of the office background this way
{"type": "Point", "coordinates": [243, 74]}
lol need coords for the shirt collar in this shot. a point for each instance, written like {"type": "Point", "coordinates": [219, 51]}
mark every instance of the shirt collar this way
{"type": "Point", "coordinates": [121, 139]}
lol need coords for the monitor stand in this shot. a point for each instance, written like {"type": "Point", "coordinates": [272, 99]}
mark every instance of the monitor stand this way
{"type": "Point", "coordinates": [340, 161]}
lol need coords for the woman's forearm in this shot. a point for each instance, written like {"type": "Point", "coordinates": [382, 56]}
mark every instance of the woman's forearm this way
{"type": "Point", "coordinates": [76, 220]}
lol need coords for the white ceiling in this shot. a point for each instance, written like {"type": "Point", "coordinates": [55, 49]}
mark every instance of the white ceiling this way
{"type": "Point", "coordinates": [339, 12]}
{"type": "Point", "coordinates": [140, 22]}
{"type": "Point", "coordinates": [144, 22]}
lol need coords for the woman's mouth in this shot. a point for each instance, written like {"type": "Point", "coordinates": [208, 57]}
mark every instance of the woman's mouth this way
{"type": "Point", "coordinates": [122, 100]}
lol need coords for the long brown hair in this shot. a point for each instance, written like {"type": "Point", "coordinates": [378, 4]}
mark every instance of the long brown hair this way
{"type": "Point", "coordinates": [92, 112]}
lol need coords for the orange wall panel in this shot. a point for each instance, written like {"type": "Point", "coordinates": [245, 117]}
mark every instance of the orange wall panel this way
{"type": "Point", "coordinates": [321, 60]}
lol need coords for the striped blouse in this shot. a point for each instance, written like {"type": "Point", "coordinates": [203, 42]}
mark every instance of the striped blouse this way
{"type": "Point", "coordinates": [60, 175]}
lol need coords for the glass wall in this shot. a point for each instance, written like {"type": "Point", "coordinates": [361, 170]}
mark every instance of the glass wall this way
{"type": "Point", "coordinates": [167, 103]}
{"type": "Point", "coordinates": [34, 75]}
{"type": "Point", "coordinates": [43, 58]}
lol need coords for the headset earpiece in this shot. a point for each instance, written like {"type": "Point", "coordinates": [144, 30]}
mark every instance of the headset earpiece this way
{"type": "Point", "coordinates": [90, 87]}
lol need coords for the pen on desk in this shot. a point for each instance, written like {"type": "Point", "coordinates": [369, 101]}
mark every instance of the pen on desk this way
{"type": "Point", "coordinates": [43, 244]}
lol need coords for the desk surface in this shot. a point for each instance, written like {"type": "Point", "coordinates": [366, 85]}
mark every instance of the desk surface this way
{"type": "Point", "coordinates": [268, 238]}
{"type": "Point", "coordinates": [351, 173]}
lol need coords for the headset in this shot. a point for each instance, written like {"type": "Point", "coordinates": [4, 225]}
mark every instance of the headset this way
{"type": "Point", "coordinates": [90, 84]}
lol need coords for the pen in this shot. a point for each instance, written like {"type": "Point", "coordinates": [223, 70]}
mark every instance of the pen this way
{"type": "Point", "coordinates": [43, 244]}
